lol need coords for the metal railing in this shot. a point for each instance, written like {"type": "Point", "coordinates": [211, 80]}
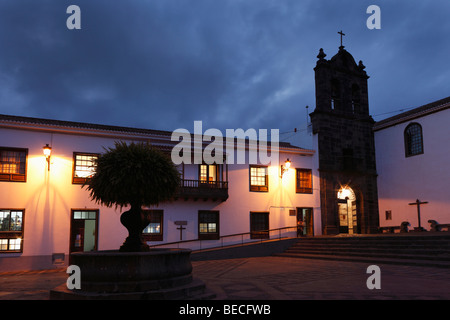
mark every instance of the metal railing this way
{"type": "Point", "coordinates": [203, 189]}
{"type": "Point", "coordinates": [185, 183]}
{"type": "Point", "coordinates": [233, 239]}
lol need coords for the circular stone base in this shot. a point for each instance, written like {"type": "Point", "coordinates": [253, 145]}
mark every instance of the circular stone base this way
{"type": "Point", "coordinates": [114, 271]}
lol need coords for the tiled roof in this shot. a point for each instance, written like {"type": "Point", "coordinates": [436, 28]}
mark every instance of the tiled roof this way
{"type": "Point", "coordinates": [80, 125]}
{"type": "Point", "coordinates": [100, 127]}
{"type": "Point", "coordinates": [421, 111]}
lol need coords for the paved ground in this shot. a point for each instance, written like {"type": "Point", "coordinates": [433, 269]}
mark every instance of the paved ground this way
{"type": "Point", "coordinates": [274, 278]}
{"type": "Point", "coordinates": [280, 278]}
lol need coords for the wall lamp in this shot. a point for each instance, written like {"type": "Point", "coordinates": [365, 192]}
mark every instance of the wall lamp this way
{"type": "Point", "coordinates": [285, 167]}
{"type": "Point", "coordinates": [47, 153]}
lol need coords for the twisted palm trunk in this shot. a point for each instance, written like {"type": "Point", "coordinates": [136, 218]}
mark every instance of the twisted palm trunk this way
{"type": "Point", "coordinates": [135, 220]}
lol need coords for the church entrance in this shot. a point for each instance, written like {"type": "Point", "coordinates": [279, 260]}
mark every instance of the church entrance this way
{"type": "Point", "coordinates": [348, 219]}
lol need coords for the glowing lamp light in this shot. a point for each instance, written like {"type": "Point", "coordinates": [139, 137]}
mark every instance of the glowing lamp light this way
{"type": "Point", "coordinates": [287, 164]}
{"type": "Point", "coordinates": [285, 167]}
{"type": "Point", "coordinates": [344, 193]}
{"type": "Point", "coordinates": [47, 150]}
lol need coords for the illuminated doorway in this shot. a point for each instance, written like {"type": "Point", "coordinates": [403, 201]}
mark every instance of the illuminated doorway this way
{"type": "Point", "coordinates": [305, 217]}
{"type": "Point", "coordinates": [83, 230]}
{"type": "Point", "coordinates": [348, 218]}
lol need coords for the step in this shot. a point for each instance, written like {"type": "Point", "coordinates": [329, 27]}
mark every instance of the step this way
{"type": "Point", "coordinates": [421, 252]}
{"type": "Point", "coordinates": [425, 249]}
{"type": "Point", "coordinates": [412, 262]}
{"type": "Point", "coordinates": [376, 246]}
{"type": "Point", "coordinates": [372, 242]}
{"type": "Point", "coordinates": [445, 257]}
{"type": "Point", "coordinates": [369, 238]}
{"type": "Point", "coordinates": [387, 241]}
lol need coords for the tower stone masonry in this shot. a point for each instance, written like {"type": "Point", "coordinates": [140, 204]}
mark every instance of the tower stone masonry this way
{"type": "Point", "coordinates": [343, 131]}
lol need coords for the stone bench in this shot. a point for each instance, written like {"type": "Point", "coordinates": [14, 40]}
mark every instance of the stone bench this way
{"type": "Point", "coordinates": [403, 228]}
{"type": "Point", "coordinates": [435, 226]}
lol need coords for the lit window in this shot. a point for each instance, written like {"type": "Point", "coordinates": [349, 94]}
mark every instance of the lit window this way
{"type": "Point", "coordinates": [14, 244]}
{"type": "Point", "coordinates": [259, 180]}
{"type": "Point", "coordinates": [11, 230]}
{"type": "Point", "coordinates": [208, 225]}
{"type": "Point", "coordinates": [154, 230]}
{"type": "Point", "coordinates": [84, 166]}
{"type": "Point", "coordinates": [13, 164]}
{"type": "Point", "coordinates": [84, 215]}
{"type": "Point", "coordinates": [413, 140]}
{"type": "Point", "coordinates": [304, 181]}
{"type": "Point", "coordinates": [209, 173]}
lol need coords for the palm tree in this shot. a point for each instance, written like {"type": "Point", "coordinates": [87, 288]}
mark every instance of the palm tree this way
{"type": "Point", "coordinates": [137, 175]}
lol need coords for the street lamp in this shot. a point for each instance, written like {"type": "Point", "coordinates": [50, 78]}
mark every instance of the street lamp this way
{"type": "Point", "coordinates": [47, 150]}
{"type": "Point", "coordinates": [285, 167]}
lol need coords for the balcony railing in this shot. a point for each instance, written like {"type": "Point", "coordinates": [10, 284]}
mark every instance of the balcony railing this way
{"type": "Point", "coordinates": [200, 189]}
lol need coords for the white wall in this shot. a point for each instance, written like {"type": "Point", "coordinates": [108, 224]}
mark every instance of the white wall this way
{"type": "Point", "coordinates": [235, 211]}
{"type": "Point", "coordinates": [49, 196]}
{"type": "Point", "coordinates": [402, 179]}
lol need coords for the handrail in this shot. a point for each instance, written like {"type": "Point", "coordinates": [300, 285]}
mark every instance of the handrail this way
{"type": "Point", "coordinates": [221, 238]}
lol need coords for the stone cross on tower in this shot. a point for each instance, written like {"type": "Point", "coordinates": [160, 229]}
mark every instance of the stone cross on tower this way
{"type": "Point", "coordinates": [342, 34]}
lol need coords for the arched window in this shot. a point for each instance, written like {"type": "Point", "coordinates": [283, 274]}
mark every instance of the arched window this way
{"type": "Point", "coordinates": [413, 140]}
{"type": "Point", "coordinates": [356, 98]}
{"type": "Point", "coordinates": [335, 95]}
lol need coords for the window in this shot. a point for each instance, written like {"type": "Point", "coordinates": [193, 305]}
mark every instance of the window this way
{"type": "Point", "coordinates": [304, 181]}
{"type": "Point", "coordinates": [335, 95]}
{"type": "Point", "coordinates": [388, 215]}
{"type": "Point", "coordinates": [208, 225]}
{"type": "Point", "coordinates": [259, 180]}
{"type": "Point", "coordinates": [154, 230]}
{"type": "Point", "coordinates": [356, 99]}
{"type": "Point", "coordinates": [83, 166]}
{"type": "Point", "coordinates": [259, 225]}
{"type": "Point", "coordinates": [413, 140]}
{"type": "Point", "coordinates": [11, 230]}
{"type": "Point", "coordinates": [13, 163]}
{"type": "Point", "coordinates": [208, 173]}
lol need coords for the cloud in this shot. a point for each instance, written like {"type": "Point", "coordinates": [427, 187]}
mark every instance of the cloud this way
{"type": "Point", "coordinates": [163, 64]}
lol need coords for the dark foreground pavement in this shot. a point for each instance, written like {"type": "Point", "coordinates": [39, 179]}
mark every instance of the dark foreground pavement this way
{"type": "Point", "coordinates": [274, 278]}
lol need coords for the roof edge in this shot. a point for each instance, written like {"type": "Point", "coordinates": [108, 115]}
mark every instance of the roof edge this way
{"type": "Point", "coordinates": [73, 127]}
{"type": "Point", "coordinates": [415, 113]}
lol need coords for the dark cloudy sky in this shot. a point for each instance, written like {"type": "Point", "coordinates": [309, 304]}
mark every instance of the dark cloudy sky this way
{"type": "Point", "coordinates": [162, 64]}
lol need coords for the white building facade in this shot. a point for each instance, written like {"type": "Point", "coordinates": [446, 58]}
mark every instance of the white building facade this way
{"type": "Point", "coordinates": [45, 214]}
{"type": "Point", "coordinates": [413, 156]}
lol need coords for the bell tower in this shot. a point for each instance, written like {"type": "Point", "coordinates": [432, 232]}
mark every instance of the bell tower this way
{"type": "Point", "coordinates": [343, 136]}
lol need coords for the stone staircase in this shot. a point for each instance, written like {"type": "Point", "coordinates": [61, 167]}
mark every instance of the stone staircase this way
{"type": "Point", "coordinates": [424, 249]}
